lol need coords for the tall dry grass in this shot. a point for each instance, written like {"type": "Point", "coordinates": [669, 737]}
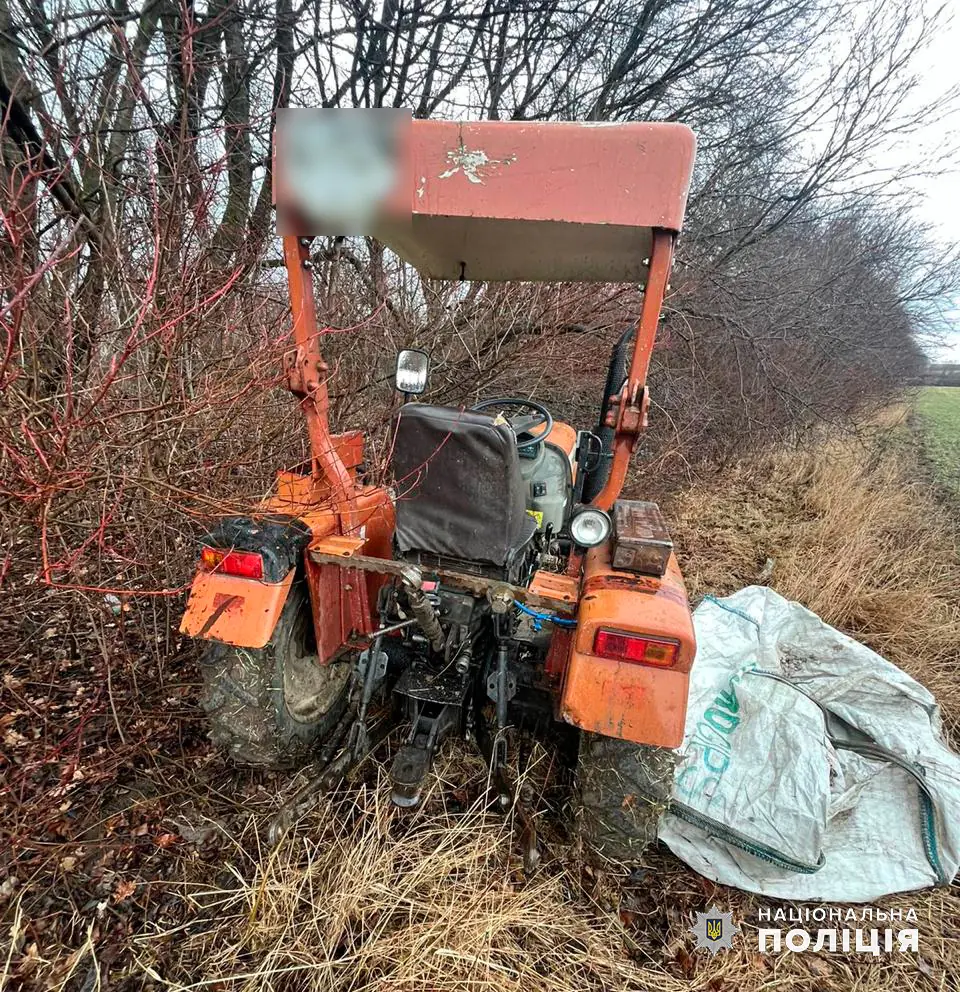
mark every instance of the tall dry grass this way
{"type": "Point", "coordinates": [854, 529]}
{"type": "Point", "coordinates": [366, 897]}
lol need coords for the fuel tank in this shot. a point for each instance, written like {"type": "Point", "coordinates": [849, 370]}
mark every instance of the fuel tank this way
{"type": "Point", "coordinates": [549, 469]}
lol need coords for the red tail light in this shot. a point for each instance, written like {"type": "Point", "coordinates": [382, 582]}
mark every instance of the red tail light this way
{"type": "Point", "coordinates": [635, 648]}
{"type": "Point", "coordinates": [246, 564]}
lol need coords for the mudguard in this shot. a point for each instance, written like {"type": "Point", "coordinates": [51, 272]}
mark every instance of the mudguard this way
{"type": "Point", "coordinates": [639, 703]}
{"type": "Point", "coordinates": [244, 612]}
{"type": "Point", "coordinates": [240, 611]}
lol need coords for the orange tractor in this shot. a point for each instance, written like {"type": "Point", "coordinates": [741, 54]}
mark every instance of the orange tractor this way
{"type": "Point", "coordinates": [497, 585]}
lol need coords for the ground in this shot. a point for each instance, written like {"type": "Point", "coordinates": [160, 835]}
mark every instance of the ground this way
{"type": "Point", "coordinates": [139, 861]}
{"type": "Point", "coordinates": [938, 410]}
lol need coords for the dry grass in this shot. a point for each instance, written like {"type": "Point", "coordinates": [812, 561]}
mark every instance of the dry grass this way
{"type": "Point", "coordinates": [364, 897]}
{"type": "Point", "coordinates": [854, 532]}
{"type": "Point", "coordinates": [367, 897]}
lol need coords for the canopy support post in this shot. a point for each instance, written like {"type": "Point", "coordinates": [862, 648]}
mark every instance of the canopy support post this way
{"type": "Point", "coordinates": [628, 411]}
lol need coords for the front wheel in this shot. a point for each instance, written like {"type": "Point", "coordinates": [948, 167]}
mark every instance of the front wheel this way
{"type": "Point", "coordinates": [624, 789]}
{"type": "Point", "coordinates": [272, 706]}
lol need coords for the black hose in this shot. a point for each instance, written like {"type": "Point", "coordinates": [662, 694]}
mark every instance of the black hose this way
{"type": "Point", "coordinates": [616, 376]}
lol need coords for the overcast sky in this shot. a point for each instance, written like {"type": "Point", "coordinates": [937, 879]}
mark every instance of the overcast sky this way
{"type": "Point", "coordinates": [940, 203]}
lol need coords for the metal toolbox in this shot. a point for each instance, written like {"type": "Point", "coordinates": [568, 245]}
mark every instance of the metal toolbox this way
{"type": "Point", "coordinates": [641, 542]}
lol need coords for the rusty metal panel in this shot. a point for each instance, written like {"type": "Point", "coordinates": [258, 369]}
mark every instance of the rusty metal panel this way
{"type": "Point", "coordinates": [330, 611]}
{"type": "Point", "coordinates": [340, 596]}
{"type": "Point", "coordinates": [556, 587]}
{"type": "Point", "coordinates": [641, 541]}
{"type": "Point", "coordinates": [633, 174]}
{"type": "Point", "coordinates": [339, 551]}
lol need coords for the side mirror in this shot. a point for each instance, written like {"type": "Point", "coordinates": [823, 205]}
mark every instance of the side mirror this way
{"type": "Point", "coordinates": [412, 368]}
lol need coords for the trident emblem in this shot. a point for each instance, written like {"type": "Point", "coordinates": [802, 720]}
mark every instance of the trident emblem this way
{"type": "Point", "coordinates": [714, 930]}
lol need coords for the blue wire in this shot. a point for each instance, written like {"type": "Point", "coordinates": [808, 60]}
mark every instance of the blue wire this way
{"type": "Point", "coordinates": [544, 616]}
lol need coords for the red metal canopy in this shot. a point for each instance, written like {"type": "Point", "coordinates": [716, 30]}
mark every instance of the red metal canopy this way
{"type": "Point", "coordinates": [540, 201]}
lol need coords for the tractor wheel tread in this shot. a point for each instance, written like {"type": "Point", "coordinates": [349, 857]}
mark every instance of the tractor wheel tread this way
{"type": "Point", "coordinates": [245, 700]}
{"type": "Point", "coordinates": [624, 790]}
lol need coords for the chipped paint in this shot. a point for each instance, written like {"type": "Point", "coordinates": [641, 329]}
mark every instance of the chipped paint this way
{"type": "Point", "coordinates": [473, 163]}
{"type": "Point", "coordinates": [421, 189]}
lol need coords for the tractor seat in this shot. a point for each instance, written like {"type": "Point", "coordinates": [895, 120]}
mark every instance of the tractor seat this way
{"type": "Point", "coordinates": [459, 491]}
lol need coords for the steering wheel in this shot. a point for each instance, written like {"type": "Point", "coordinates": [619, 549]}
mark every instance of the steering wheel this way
{"type": "Point", "coordinates": [540, 416]}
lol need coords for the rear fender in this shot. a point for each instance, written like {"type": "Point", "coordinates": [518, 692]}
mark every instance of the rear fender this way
{"type": "Point", "coordinates": [239, 611]}
{"type": "Point", "coordinates": [641, 703]}
{"type": "Point", "coordinates": [242, 612]}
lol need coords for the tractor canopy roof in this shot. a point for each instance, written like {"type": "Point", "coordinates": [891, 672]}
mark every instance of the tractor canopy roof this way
{"type": "Point", "coordinates": [495, 200]}
{"type": "Point", "coordinates": [539, 201]}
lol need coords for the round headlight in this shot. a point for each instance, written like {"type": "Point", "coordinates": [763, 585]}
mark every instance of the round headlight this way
{"type": "Point", "coordinates": [589, 527]}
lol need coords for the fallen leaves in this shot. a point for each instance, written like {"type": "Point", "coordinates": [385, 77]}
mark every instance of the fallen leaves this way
{"type": "Point", "coordinates": [123, 891]}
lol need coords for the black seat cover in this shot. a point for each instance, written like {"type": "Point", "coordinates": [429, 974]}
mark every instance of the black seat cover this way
{"type": "Point", "coordinates": [459, 489]}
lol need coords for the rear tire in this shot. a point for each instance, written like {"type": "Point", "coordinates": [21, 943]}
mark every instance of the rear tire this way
{"type": "Point", "coordinates": [616, 377]}
{"type": "Point", "coordinates": [624, 790]}
{"type": "Point", "coordinates": [271, 706]}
